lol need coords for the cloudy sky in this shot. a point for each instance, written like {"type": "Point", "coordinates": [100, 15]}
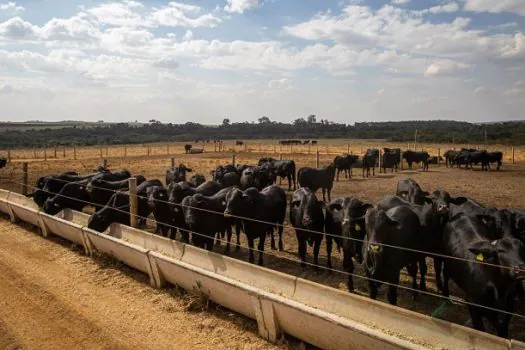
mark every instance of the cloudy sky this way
{"type": "Point", "coordinates": [204, 60]}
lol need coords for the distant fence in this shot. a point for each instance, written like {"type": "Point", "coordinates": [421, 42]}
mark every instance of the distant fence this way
{"type": "Point", "coordinates": [323, 147]}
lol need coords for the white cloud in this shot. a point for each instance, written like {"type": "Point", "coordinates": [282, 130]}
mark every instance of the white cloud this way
{"type": "Point", "coordinates": [514, 92]}
{"type": "Point", "coordinates": [496, 6]}
{"type": "Point", "coordinates": [380, 91]}
{"type": "Point", "coordinates": [519, 83]}
{"type": "Point", "coordinates": [239, 6]}
{"type": "Point", "coordinates": [446, 8]}
{"type": "Point", "coordinates": [182, 15]}
{"type": "Point", "coordinates": [188, 35]}
{"type": "Point", "coordinates": [17, 29]}
{"type": "Point", "coordinates": [400, 2]}
{"type": "Point", "coordinates": [480, 89]}
{"type": "Point", "coordinates": [117, 13]}
{"type": "Point", "coordinates": [445, 68]}
{"type": "Point", "coordinates": [166, 62]}
{"type": "Point", "coordinates": [11, 8]}
{"type": "Point", "coordinates": [6, 89]}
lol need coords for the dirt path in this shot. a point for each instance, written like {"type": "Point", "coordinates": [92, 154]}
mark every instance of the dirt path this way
{"type": "Point", "coordinates": [54, 297]}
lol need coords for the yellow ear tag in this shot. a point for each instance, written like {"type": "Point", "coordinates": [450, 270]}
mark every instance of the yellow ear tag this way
{"type": "Point", "coordinates": [479, 257]}
{"type": "Point", "coordinates": [357, 227]}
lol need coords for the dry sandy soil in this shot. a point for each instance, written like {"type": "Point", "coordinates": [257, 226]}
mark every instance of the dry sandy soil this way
{"type": "Point", "coordinates": [500, 189]}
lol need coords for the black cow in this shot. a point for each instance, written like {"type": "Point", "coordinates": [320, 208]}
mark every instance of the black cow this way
{"type": "Point", "coordinates": [74, 195]}
{"type": "Point", "coordinates": [269, 205]}
{"type": "Point", "coordinates": [187, 148]}
{"type": "Point", "coordinates": [221, 170]}
{"type": "Point", "coordinates": [239, 143]}
{"type": "Point", "coordinates": [204, 217]}
{"type": "Point", "coordinates": [257, 176]}
{"type": "Point", "coordinates": [3, 162]}
{"type": "Point", "coordinates": [416, 157]}
{"type": "Point", "coordinates": [391, 159]}
{"type": "Point", "coordinates": [177, 173]}
{"type": "Point", "coordinates": [306, 216]}
{"type": "Point", "coordinates": [495, 157]}
{"type": "Point", "coordinates": [450, 157]}
{"type": "Point", "coordinates": [117, 209]}
{"type": "Point", "coordinates": [435, 160]}
{"type": "Point", "coordinates": [100, 190]}
{"type": "Point", "coordinates": [467, 238]}
{"type": "Point", "coordinates": [281, 168]}
{"type": "Point", "coordinates": [197, 180]}
{"type": "Point", "coordinates": [158, 203]}
{"type": "Point", "coordinates": [397, 227]}
{"type": "Point", "coordinates": [345, 163]}
{"type": "Point", "coordinates": [241, 167]}
{"type": "Point", "coordinates": [230, 179]}
{"type": "Point", "coordinates": [370, 160]}
{"type": "Point", "coordinates": [411, 191]}
{"type": "Point", "coordinates": [345, 224]}
{"type": "Point", "coordinates": [316, 179]}
{"type": "Point", "coordinates": [48, 186]}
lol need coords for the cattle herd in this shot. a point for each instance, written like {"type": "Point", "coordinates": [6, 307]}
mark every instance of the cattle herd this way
{"type": "Point", "coordinates": [481, 249]}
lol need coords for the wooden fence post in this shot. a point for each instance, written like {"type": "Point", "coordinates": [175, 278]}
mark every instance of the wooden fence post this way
{"type": "Point", "coordinates": [168, 149]}
{"type": "Point", "coordinates": [55, 152]}
{"type": "Point", "coordinates": [100, 149]}
{"type": "Point", "coordinates": [104, 163]}
{"type": "Point", "coordinates": [133, 219]}
{"type": "Point", "coordinates": [34, 153]}
{"type": "Point", "coordinates": [64, 153]}
{"type": "Point", "coordinates": [317, 160]}
{"type": "Point", "coordinates": [379, 162]}
{"type": "Point", "coordinates": [45, 153]}
{"type": "Point", "coordinates": [280, 156]}
{"type": "Point", "coordinates": [74, 153]}
{"type": "Point", "coordinates": [512, 155]}
{"type": "Point", "coordinates": [106, 151]}
{"type": "Point", "coordinates": [24, 187]}
{"type": "Point", "coordinates": [291, 149]}
{"type": "Point", "coordinates": [125, 151]}
{"type": "Point", "coordinates": [348, 148]}
{"type": "Point", "coordinates": [215, 147]}
{"type": "Point", "coordinates": [149, 150]}
{"type": "Point", "coordinates": [233, 158]}
{"type": "Point", "coordinates": [172, 162]}
{"type": "Point", "coordinates": [439, 156]}
{"type": "Point", "coordinates": [9, 155]}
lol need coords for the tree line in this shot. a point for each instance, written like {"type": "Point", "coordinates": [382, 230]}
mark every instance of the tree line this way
{"type": "Point", "coordinates": [438, 131]}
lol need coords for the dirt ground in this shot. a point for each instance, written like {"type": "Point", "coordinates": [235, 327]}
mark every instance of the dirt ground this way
{"type": "Point", "coordinates": [500, 189]}
{"type": "Point", "coordinates": [53, 297]}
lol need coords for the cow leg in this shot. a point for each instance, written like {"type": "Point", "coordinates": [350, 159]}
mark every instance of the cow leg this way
{"type": "Point", "coordinates": [373, 171]}
{"type": "Point", "coordinates": [272, 240]}
{"type": "Point", "coordinates": [218, 237]}
{"type": "Point", "coordinates": [372, 289]}
{"type": "Point", "coordinates": [476, 317]}
{"type": "Point", "coordinates": [302, 248]}
{"type": "Point", "coordinates": [423, 271]}
{"type": "Point", "coordinates": [323, 189]}
{"type": "Point", "coordinates": [445, 280]}
{"type": "Point", "coordinates": [261, 248]}
{"type": "Point", "coordinates": [329, 194]}
{"type": "Point", "coordinates": [348, 266]}
{"type": "Point", "coordinates": [412, 271]}
{"type": "Point", "coordinates": [251, 247]}
{"type": "Point", "coordinates": [438, 263]}
{"type": "Point", "coordinates": [351, 172]}
{"type": "Point", "coordinates": [337, 175]}
{"type": "Point", "coordinates": [392, 289]}
{"type": "Point", "coordinates": [317, 246]}
{"type": "Point", "coordinates": [208, 242]}
{"type": "Point", "coordinates": [289, 177]}
{"type": "Point", "coordinates": [329, 251]}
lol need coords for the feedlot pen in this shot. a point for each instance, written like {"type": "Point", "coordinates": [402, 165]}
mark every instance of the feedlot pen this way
{"type": "Point", "coordinates": [500, 189]}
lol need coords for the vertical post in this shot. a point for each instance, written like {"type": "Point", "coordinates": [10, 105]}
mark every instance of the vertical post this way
{"type": "Point", "coordinates": [326, 148]}
{"type": "Point", "coordinates": [415, 141]}
{"type": "Point", "coordinates": [149, 150]}
{"type": "Point", "coordinates": [100, 151]}
{"type": "Point", "coordinates": [106, 151]}
{"type": "Point", "coordinates": [215, 147]}
{"type": "Point", "coordinates": [317, 160]}
{"type": "Point", "coordinates": [291, 149]}
{"type": "Point", "coordinates": [246, 147]}
{"type": "Point", "coordinates": [55, 152]}
{"type": "Point", "coordinates": [168, 149]}
{"type": "Point", "coordinates": [24, 187]}
{"type": "Point", "coordinates": [34, 153]}
{"type": "Point", "coordinates": [280, 156]}
{"type": "Point", "coordinates": [512, 155]}
{"type": "Point", "coordinates": [379, 162]}
{"type": "Point", "coordinates": [74, 153]}
{"type": "Point", "coordinates": [275, 148]}
{"type": "Point", "coordinates": [310, 148]}
{"type": "Point", "coordinates": [45, 153]}
{"type": "Point", "coordinates": [9, 155]}
{"type": "Point", "coordinates": [104, 163]}
{"type": "Point", "coordinates": [133, 219]}
{"type": "Point", "coordinates": [64, 153]}
{"type": "Point", "coordinates": [439, 156]}
{"type": "Point", "coordinates": [233, 158]}
{"type": "Point", "coordinates": [348, 148]}
{"type": "Point", "coordinates": [259, 148]}
{"type": "Point", "coordinates": [172, 162]}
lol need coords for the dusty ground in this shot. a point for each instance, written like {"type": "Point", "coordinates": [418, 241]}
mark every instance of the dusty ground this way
{"type": "Point", "coordinates": [501, 189]}
{"type": "Point", "coordinates": [53, 297]}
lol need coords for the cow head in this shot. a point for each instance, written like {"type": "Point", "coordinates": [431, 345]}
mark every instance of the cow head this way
{"type": "Point", "coordinates": [506, 252]}
{"type": "Point", "coordinates": [306, 207]}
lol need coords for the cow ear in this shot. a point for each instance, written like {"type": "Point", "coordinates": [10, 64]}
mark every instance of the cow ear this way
{"type": "Point", "coordinates": [483, 250]}
{"type": "Point", "coordinates": [459, 200]}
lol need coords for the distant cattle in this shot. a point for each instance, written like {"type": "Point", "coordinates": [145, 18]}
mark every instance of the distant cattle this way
{"type": "Point", "coordinates": [3, 162]}
{"type": "Point", "coordinates": [370, 160]}
{"type": "Point", "coordinates": [290, 142]}
{"type": "Point", "coordinates": [281, 168]}
{"type": "Point", "coordinates": [316, 179]}
{"type": "Point", "coordinates": [345, 163]}
{"type": "Point", "coordinates": [450, 155]}
{"type": "Point", "coordinates": [187, 148]}
{"type": "Point", "coordinates": [416, 157]}
{"type": "Point", "coordinates": [239, 143]}
{"type": "Point", "coordinates": [391, 159]}
{"type": "Point", "coordinates": [305, 142]}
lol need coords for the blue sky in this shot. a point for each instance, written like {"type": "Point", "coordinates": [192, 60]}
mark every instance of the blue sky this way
{"type": "Point", "coordinates": [206, 60]}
